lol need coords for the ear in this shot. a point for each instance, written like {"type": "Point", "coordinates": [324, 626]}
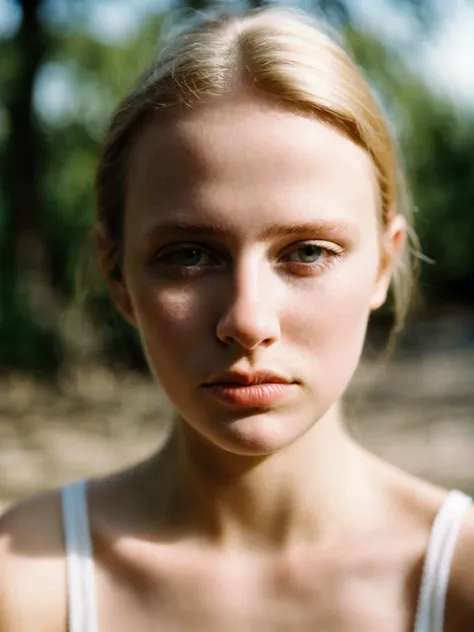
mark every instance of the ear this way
{"type": "Point", "coordinates": [113, 275]}
{"type": "Point", "coordinates": [392, 244]}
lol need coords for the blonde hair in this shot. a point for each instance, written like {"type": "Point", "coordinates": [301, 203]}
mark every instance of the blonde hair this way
{"type": "Point", "coordinates": [282, 55]}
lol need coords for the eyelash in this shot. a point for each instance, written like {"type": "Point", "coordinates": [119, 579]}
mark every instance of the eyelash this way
{"type": "Point", "coordinates": [330, 253]}
{"type": "Point", "coordinates": [329, 256]}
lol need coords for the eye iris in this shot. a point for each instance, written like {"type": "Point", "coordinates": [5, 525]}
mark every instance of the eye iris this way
{"type": "Point", "coordinates": [309, 254]}
{"type": "Point", "coordinates": [187, 257]}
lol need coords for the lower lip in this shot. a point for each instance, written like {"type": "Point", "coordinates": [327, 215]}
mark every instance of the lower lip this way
{"type": "Point", "coordinates": [254, 396]}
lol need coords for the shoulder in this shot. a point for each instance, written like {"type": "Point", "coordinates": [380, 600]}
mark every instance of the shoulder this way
{"type": "Point", "coordinates": [32, 586]}
{"type": "Point", "coordinates": [460, 599]}
{"type": "Point", "coordinates": [419, 503]}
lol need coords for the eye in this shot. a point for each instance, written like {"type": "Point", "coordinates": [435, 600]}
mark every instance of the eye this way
{"type": "Point", "coordinates": [308, 253]}
{"type": "Point", "coordinates": [310, 258]}
{"type": "Point", "coordinates": [187, 257]}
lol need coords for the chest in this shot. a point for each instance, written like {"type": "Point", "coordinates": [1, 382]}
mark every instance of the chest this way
{"type": "Point", "coordinates": [242, 595]}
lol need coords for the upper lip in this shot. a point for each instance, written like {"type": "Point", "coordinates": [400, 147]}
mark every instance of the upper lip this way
{"type": "Point", "coordinates": [247, 378]}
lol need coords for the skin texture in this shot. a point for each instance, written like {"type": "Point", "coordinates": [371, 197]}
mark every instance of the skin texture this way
{"type": "Point", "coordinates": [265, 518]}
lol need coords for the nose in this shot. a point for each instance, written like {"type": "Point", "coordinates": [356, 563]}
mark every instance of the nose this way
{"type": "Point", "coordinates": [251, 318]}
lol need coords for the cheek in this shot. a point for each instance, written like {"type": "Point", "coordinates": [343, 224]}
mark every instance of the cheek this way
{"type": "Point", "coordinates": [172, 322]}
{"type": "Point", "coordinates": [164, 310]}
{"type": "Point", "coordinates": [330, 318]}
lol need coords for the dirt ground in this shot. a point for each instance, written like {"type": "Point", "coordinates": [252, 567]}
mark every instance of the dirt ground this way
{"type": "Point", "coordinates": [417, 412]}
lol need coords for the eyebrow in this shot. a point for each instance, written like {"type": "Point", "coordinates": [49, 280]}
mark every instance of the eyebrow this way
{"type": "Point", "coordinates": [208, 229]}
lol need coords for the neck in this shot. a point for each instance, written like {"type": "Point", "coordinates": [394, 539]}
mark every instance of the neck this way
{"type": "Point", "coordinates": [312, 490]}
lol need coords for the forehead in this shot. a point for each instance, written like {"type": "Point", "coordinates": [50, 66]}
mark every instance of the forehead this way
{"type": "Point", "coordinates": [244, 160]}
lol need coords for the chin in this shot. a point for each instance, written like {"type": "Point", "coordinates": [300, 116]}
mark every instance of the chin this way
{"type": "Point", "coordinates": [257, 435]}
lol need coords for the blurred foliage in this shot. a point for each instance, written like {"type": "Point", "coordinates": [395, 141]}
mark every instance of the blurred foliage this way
{"type": "Point", "coordinates": [48, 160]}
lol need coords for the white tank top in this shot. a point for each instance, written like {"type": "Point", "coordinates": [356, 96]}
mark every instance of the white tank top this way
{"type": "Point", "coordinates": [82, 605]}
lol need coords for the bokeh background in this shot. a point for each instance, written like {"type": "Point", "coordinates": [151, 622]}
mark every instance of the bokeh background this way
{"type": "Point", "coordinates": [75, 396]}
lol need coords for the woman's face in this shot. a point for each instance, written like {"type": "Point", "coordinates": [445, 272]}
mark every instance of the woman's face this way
{"type": "Point", "coordinates": [252, 259]}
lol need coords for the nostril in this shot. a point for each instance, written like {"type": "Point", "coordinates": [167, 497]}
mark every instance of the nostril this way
{"type": "Point", "coordinates": [248, 340]}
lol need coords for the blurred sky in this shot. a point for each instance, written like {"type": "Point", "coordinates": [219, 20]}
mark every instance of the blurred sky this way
{"type": "Point", "coordinates": [445, 59]}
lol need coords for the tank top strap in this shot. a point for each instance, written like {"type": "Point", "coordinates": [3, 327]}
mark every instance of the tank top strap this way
{"type": "Point", "coordinates": [82, 607]}
{"type": "Point", "coordinates": [435, 578]}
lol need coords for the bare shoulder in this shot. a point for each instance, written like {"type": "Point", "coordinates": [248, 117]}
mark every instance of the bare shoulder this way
{"type": "Point", "coordinates": [420, 502]}
{"type": "Point", "coordinates": [460, 600]}
{"type": "Point", "coordinates": [32, 586]}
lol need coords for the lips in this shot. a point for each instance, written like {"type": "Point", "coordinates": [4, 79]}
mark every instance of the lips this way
{"type": "Point", "coordinates": [247, 379]}
{"type": "Point", "coordinates": [249, 390]}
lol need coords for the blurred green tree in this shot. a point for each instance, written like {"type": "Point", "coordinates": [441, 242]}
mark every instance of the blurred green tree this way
{"type": "Point", "coordinates": [25, 268]}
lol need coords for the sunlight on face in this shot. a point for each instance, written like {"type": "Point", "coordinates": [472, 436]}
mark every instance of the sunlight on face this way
{"type": "Point", "coordinates": [251, 244]}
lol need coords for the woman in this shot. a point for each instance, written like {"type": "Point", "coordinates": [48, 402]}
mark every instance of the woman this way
{"type": "Point", "coordinates": [249, 221]}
